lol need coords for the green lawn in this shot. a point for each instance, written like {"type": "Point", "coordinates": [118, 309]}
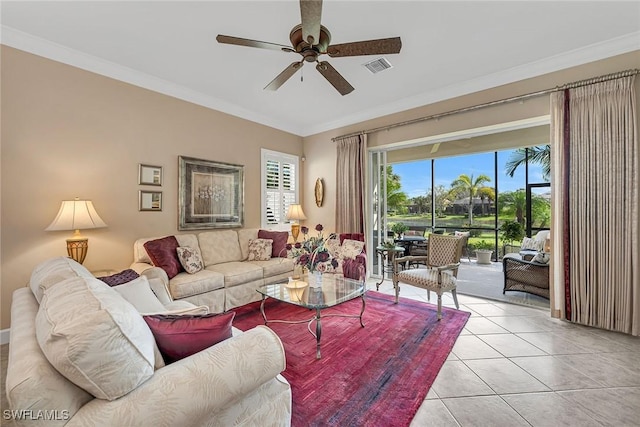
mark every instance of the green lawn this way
{"type": "Point", "coordinates": [453, 223]}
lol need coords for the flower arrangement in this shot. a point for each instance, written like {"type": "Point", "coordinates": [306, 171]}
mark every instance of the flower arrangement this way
{"type": "Point", "coordinates": [312, 252]}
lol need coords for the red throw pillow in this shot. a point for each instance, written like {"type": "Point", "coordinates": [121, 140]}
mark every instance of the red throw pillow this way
{"type": "Point", "coordinates": [181, 336]}
{"type": "Point", "coordinates": [279, 246]}
{"type": "Point", "coordinates": [163, 254]}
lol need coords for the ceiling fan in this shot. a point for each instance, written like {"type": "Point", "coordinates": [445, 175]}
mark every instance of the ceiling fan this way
{"type": "Point", "coordinates": [310, 40]}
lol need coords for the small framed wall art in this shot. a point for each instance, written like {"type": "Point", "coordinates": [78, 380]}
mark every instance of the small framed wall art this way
{"type": "Point", "coordinates": [150, 200]}
{"type": "Point", "coordinates": [150, 175]}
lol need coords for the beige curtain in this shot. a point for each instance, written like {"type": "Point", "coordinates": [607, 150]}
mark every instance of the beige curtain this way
{"type": "Point", "coordinates": [597, 172]}
{"type": "Point", "coordinates": [350, 178]}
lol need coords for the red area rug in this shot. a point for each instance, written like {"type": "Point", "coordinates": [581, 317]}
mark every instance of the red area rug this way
{"type": "Point", "coordinates": [372, 376]}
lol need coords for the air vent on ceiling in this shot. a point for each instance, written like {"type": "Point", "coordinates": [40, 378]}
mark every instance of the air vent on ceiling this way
{"type": "Point", "coordinates": [378, 65]}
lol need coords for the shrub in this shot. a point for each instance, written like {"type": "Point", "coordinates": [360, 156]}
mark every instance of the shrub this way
{"type": "Point", "coordinates": [511, 231]}
{"type": "Point", "coordinates": [399, 228]}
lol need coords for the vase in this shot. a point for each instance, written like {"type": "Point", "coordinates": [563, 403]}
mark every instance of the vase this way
{"type": "Point", "coordinates": [315, 279]}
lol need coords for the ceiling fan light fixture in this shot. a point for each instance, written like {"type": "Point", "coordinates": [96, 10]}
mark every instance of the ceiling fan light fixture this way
{"type": "Point", "coordinates": [377, 65]}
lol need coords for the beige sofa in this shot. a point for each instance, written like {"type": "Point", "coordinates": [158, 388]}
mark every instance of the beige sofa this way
{"type": "Point", "coordinates": [73, 338]}
{"type": "Point", "coordinates": [228, 279]}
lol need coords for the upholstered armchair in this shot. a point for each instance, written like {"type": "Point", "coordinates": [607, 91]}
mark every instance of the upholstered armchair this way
{"type": "Point", "coordinates": [442, 261]}
{"type": "Point", "coordinates": [355, 268]}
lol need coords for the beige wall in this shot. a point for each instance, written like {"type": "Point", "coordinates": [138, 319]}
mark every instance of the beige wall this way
{"type": "Point", "coordinates": [67, 132]}
{"type": "Point", "coordinates": [323, 149]}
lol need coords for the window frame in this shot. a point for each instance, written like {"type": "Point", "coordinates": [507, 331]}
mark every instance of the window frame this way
{"type": "Point", "coordinates": [271, 155]}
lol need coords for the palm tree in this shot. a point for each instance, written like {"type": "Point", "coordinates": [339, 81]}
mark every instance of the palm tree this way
{"type": "Point", "coordinates": [486, 193]}
{"type": "Point", "coordinates": [396, 198]}
{"type": "Point", "coordinates": [540, 154]}
{"type": "Point", "coordinates": [467, 185]}
{"type": "Point", "coordinates": [514, 203]}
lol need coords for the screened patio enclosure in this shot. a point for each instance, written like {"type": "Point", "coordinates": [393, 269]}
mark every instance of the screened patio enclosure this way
{"type": "Point", "coordinates": [462, 185]}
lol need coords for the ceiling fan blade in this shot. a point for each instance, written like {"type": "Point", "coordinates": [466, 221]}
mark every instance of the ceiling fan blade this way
{"type": "Point", "coordinates": [311, 14]}
{"type": "Point", "coordinates": [334, 78]}
{"type": "Point", "coordinates": [284, 76]}
{"type": "Point", "coordinates": [252, 43]}
{"type": "Point", "coordinates": [367, 47]}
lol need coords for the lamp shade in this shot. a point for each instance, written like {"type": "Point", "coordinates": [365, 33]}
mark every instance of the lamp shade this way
{"type": "Point", "coordinates": [76, 215]}
{"type": "Point", "coordinates": [295, 212]}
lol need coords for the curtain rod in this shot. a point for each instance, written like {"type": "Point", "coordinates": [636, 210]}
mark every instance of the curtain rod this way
{"type": "Point", "coordinates": [573, 85]}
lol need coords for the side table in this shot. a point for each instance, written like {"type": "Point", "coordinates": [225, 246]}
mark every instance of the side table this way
{"type": "Point", "coordinates": [387, 256]}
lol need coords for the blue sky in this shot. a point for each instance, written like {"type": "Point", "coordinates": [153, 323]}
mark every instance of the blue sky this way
{"type": "Point", "coordinates": [416, 176]}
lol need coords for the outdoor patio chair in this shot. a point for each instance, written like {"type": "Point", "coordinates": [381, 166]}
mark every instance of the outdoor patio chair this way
{"type": "Point", "coordinates": [441, 272]}
{"type": "Point", "coordinates": [526, 276]}
{"type": "Point", "coordinates": [465, 244]}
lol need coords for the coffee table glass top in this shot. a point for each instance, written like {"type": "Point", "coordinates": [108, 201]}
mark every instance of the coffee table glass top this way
{"type": "Point", "coordinates": [335, 290]}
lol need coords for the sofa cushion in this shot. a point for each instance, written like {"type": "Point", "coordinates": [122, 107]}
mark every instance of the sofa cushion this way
{"type": "Point", "coordinates": [244, 235]}
{"type": "Point", "coordinates": [279, 248]}
{"type": "Point", "coordinates": [274, 266]}
{"type": "Point", "coordinates": [139, 294]}
{"type": "Point", "coordinates": [186, 285]}
{"type": "Point", "coordinates": [219, 246]}
{"type": "Point", "coordinates": [181, 336]}
{"type": "Point", "coordinates": [190, 259]}
{"type": "Point", "coordinates": [236, 273]}
{"type": "Point", "coordinates": [53, 271]}
{"type": "Point", "coordinates": [124, 276]}
{"type": "Point", "coordinates": [163, 254]}
{"type": "Point", "coordinates": [95, 338]}
{"type": "Point", "coordinates": [260, 249]}
{"type": "Point", "coordinates": [31, 381]}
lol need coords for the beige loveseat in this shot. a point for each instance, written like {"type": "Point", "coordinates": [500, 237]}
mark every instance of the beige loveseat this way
{"type": "Point", "coordinates": [81, 355]}
{"type": "Point", "coordinates": [228, 280]}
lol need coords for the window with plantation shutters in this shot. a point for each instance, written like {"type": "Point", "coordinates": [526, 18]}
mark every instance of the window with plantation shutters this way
{"type": "Point", "coordinates": [279, 187]}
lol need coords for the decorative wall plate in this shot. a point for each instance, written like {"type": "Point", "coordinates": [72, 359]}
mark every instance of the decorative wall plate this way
{"type": "Point", "coordinates": [319, 192]}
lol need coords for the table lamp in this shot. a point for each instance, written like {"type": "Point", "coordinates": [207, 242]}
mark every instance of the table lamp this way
{"type": "Point", "coordinates": [76, 215]}
{"type": "Point", "coordinates": [294, 214]}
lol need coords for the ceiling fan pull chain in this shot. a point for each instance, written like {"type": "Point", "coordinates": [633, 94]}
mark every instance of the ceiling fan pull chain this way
{"type": "Point", "coordinates": [302, 75]}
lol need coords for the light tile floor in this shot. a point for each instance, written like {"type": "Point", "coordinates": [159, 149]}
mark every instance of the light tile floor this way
{"type": "Point", "coordinates": [514, 365]}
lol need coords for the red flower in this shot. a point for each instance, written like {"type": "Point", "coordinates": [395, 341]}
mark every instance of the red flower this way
{"type": "Point", "coordinates": [319, 227]}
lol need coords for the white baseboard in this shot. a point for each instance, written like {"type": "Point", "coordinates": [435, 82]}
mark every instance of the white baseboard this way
{"type": "Point", "coordinates": [4, 336]}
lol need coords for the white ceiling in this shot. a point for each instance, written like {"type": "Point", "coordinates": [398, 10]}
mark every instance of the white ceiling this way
{"type": "Point", "coordinates": [448, 49]}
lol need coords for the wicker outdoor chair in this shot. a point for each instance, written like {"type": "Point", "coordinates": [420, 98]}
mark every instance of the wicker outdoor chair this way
{"type": "Point", "coordinates": [442, 261]}
{"type": "Point", "coordinates": [526, 276]}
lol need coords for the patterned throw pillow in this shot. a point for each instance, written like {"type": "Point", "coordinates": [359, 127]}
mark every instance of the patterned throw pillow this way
{"type": "Point", "coordinates": [190, 259]}
{"type": "Point", "coordinates": [351, 248]}
{"type": "Point", "coordinates": [162, 253]}
{"type": "Point", "coordinates": [531, 244]}
{"type": "Point", "coordinates": [260, 249]}
{"type": "Point", "coordinates": [120, 278]}
{"type": "Point", "coordinates": [333, 246]}
{"type": "Point", "coordinates": [541, 258]}
{"type": "Point", "coordinates": [181, 336]}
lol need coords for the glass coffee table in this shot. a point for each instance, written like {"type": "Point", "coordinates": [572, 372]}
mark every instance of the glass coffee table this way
{"type": "Point", "coordinates": [335, 290]}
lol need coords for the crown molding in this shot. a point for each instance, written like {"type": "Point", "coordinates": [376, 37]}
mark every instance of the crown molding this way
{"type": "Point", "coordinates": [584, 55]}
{"type": "Point", "coordinates": [20, 40]}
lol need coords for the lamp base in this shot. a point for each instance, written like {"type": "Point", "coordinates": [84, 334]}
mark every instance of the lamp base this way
{"type": "Point", "coordinates": [77, 249]}
{"type": "Point", "coordinates": [295, 231]}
